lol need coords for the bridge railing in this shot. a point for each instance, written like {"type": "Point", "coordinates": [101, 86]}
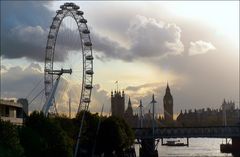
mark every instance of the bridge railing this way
{"type": "Point", "coordinates": [188, 132]}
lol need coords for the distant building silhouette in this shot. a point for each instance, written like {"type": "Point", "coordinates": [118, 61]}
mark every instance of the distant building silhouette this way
{"type": "Point", "coordinates": [228, 105]}
{"type": "Point", "coordinates": [226, 115]}
{"type": "Point", "coordinates": [168, 105]}
{"type": "Point", "coordinates": [118, 103]}
{"type": "Point", "coordinates": [130, 118]}
{"type": "Point", "coordinates": [118, 108]}
{"type": "Point", "coordinates": [129, 111]}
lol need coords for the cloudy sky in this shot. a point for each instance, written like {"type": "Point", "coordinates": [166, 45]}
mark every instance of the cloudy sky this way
{"type": "Point", "coordinates": [194, 46]}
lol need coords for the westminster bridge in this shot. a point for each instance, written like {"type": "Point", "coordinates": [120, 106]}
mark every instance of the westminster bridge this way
{"type": "Point", "coordinates": [147, 136]}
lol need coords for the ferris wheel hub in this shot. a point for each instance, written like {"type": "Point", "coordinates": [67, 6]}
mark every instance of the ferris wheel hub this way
{"type": "Point", "coordinates": [59, 72]}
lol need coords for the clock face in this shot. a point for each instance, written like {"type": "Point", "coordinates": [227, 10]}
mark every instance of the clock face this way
{"type": "Point", "coordinates": [169, 101]}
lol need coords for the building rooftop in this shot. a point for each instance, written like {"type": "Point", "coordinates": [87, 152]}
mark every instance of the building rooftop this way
{"type": "Point", "coordinates": [10, 103]}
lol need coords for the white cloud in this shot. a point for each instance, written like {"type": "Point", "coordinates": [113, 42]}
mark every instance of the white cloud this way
{"type": "Point", "coordinates": [99, 97]}
{"type": "Point", "coordinates": [200, 47]}
{"type": "Point", "coordinates": [148, 38]}
{"type": "Point", "coordinates": [152, 38]}
{"type": "Point", "coordinates": [30, 42]}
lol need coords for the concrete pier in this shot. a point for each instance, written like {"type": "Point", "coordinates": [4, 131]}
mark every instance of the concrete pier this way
{"type": "Point", "coordinates": [233, 148]}
{"type": "Point", "coordinates": [148, 148]}
{"type": "Point", "coordinates": [236, 147]}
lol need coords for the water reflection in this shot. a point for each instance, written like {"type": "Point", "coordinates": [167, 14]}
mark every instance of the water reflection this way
{"type": "Point", "coordinates": [198, 147]}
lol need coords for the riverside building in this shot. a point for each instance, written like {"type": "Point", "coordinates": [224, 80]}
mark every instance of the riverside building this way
{"type": "Point", "coordinates": [14, 111]}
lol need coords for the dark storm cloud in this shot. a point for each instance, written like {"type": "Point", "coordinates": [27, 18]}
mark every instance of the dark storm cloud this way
{"type": "Point", "coordinates": [25, 27]}
{"type": "Point", "coordinates": [26, 42]}
{"type": "Point", "coordinates": [25, 13]}
{"type": "Point", "coordinates": [24, 31]}
{"type": "Point", "coordinates": [30, 42]}
{"type": "Point", "coordinates": [109, 49]}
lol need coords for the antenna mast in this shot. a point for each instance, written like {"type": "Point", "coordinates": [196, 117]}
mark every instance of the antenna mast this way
{"type": "Point", "coordinates": [153, 103]}
{"type": "Point", "coordinates": [141, 114]}
{"type": "Point", "coordinates": [69, 103]}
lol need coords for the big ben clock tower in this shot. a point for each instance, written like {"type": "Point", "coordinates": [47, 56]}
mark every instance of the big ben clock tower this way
{"type": "Point", "coordinates": [168, 105]}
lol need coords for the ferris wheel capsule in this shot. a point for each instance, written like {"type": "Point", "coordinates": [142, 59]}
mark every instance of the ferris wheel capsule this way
{"type": "Point", "coordinates": [88, 43]}
{"type": "Point", "coordinates": [89, 57]}
{"type": "Point", "coordinates": [67, 4]}
{"type": "Point", "coordinates": [86, 31]}
{"type": "Point", "coordinates": [88, 86]}
{"type": "Point", "coordinates": [59, 11]}
{"type": "Point", "coordinates": [75, 7]}
{"type": "Point", "coordinates": [71, 4]}
{"type": "Point", "coordinates": [50, 36]}
{"type": "Point", "coordinates": [56, 18]}
{"type": "Point", "coordinates": [53, 27]}
{"type": "Point", "coordinates": [83, 20]}
{"type": "Point", "coordinates": [86, 100]}
{"type": "Point", "coordinates": [49, 47]}
{"type": "Point", "coordinates": [89, 72]}
{"type": "Point", "coordinates": [63, 7]}
{"type": "Point", "coordinates": [79, 12]}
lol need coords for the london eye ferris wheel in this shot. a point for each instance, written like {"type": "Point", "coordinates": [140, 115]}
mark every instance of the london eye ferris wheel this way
{"type": "Point", "coordinates": [52, 70]}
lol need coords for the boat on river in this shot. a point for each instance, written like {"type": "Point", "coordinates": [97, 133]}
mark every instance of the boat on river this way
{"type": "Point", "coordinates": [174, 143]}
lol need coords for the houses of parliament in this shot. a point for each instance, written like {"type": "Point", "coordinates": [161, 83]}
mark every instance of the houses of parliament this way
{"type": "Point", "coordinates": [227, 114]}
{"type": "Point", "coordinates": [118, 109]}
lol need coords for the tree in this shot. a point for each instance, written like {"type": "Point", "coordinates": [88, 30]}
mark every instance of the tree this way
{"type": "Point", "coordinates": [68, 126]}
{"type": "Point", "coordinates": [115, 135]}
{"type": "Point", "coordinates": [88, 135]}
{"type": "Point", "coordinates": [34, 144]}
{"type": "Point", "coordinates": [9, 140]}
{"type": "Point", "coordinates": [48, 139]}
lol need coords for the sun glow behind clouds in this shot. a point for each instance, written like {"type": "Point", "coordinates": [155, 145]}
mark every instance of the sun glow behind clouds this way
{"type": "Point", "coordinates": [127, 74]}
{"type": "Point", "coordinates": [223, 16]}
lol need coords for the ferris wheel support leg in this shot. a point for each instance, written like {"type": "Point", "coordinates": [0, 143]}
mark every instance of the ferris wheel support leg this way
{"type": "Point", "coordinates": [50, 99]}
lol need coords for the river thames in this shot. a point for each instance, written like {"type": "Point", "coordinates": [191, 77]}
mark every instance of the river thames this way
{"type": "Point", "coordinates": [198, 147]}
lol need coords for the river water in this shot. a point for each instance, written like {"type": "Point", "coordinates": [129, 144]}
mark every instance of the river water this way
{"type": "Point", "coordinates": [198, 147]}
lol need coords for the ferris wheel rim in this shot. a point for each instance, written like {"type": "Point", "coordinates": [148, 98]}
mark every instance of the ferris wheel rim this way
{"type": "Point", "coordinates": [70, 9]}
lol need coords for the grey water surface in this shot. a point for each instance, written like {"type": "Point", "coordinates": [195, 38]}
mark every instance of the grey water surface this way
{"type": "Point", "coordinates": [198, 147]}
